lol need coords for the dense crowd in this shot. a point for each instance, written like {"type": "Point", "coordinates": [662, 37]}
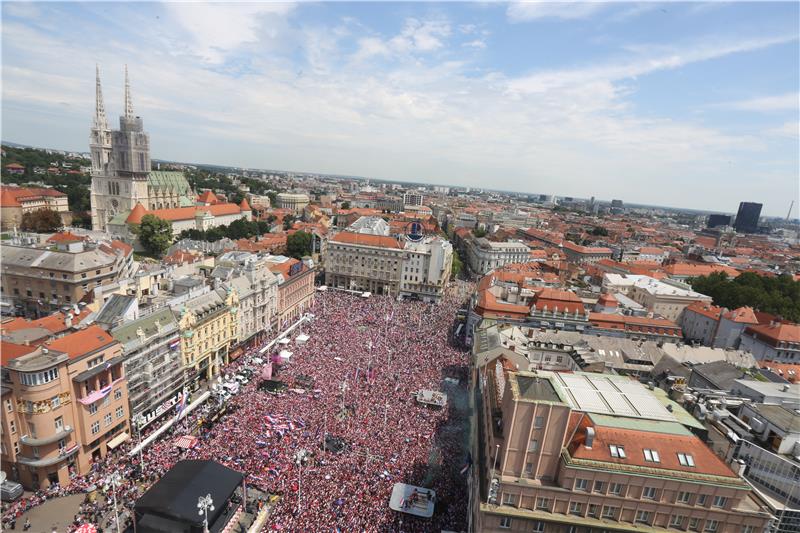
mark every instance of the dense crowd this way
{"type": "Point", "coordinates": [353, 381]}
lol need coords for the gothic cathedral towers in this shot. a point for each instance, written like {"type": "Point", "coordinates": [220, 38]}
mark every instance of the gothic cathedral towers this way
{"type": "Point", "coordinates": [120, 161]}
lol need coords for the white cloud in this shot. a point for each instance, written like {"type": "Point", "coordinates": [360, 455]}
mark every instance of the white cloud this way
{"type": "Point", "coordinates": [477, 43]}
{"type": "Point", "coordinates": [781, 102]}
{"type": "Point", "coordinates": [216, 29]}
{"type": "Point", "coordinates": [534, 10]}
{"type": "Point", "coordinates": [788, 129]}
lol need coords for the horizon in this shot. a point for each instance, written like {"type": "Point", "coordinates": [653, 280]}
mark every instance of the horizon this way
{"type": "Point", "coordinates": [699, 97]}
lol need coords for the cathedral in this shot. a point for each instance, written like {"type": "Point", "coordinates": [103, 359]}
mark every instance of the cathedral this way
{"type": "Point", "coordinates": [121, 175]}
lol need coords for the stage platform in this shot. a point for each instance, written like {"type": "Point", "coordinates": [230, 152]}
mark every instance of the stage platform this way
{"type": "Point", "coordinates": [403, 500]}
{"type": "Point", "coordinates": [433, 398]}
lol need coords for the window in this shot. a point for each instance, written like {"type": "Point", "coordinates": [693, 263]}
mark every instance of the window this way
{"type": "Point", "coordinates": [118, 394]}
{"type": "Point", "coordinates": [95, 428]}
{"type": "Point", "coordinates": [685, 459]}
{"type": "Point", "coordinates": [599, 486]}
{"type": "Point", "coordinates": [59, 422]}
{"type": "Point", "coordinates": [12, 426]}
{"type": "Point", "coordinates": [120, 412]}
{"type": "Point", "coordinates": [106, 400]}
{"type": "Point", "coordinates": [720, 501]}
{"type": "Point", "coordinates": [107, 419]}
{"type": "Point", "coordinates": [642, 517]}
{"type": "Point", "coordinates": [651, 456]}
{"type": "Point", "coordinates": [55, 402]}
{"type": "Point", "coordinates": [592, 512]}
{"type": "Point", "coordinates": [684, 497]}
{"type": "Point", "coordinates": [543, 504]}
{"type": "Point", "coordinates": [533, 445]}
{"type": "Point", "coordinates": [32, 379]}
{"type": "Point", "coordinates": [92, 408]}
{"type": "Point", "coordinates": [609, 512]}
{"type": "Point", "coordinates": [62, 444]}
{"type": "Point", "coordinates": [694, 524]}
{"type": "Point", "coordinates": [581, 484]}
{"type": "Point", "coordinates": [16, 447]}
{"type": "Point", "coordinates": [748, 529]}
{"type": "Point", "coordinates": [649, 493]}
{"type": "Point", "coordinates": [538, 422]}
{"type": "Point", "coordinates": [701, 500]}
{"type": "Point", "coordinates": [9, 406]}
{"type": "Point", "coordinates": [509, 499]}
{"type": "Point", "coordinates": [676, 521]}
{"type": "Point", "coordinates": [528, 469]}
{"type": "Point", "coordinates": [575, 508]}
{"type": "Point", "coordinates": [711, 526]}
{"type": "Point", "coordinates": [616, 489]}
{"type": "Point", "coordinates": [538, 527]}
{"type": "Point", "coordinates": [617, 451]}
{"type": "Point", "coordinates": [505, 522]}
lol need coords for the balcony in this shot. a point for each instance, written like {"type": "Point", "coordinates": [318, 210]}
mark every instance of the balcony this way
{"type": "Point", "coordinates": [33, 441]}
{"type": "Point", "coordinates": [48, 461]}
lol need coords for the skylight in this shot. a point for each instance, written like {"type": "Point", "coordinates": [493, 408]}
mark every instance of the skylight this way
{"type": "Point", "coordinates": [617, 451]}
{"type": "Point", "coordinates": [652, 456]}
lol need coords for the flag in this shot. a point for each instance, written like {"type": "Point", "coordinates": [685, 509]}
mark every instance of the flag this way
{"type": "Point", "coordinates": [181, 405]}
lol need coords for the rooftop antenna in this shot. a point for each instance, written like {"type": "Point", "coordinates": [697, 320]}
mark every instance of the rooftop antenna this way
{"type": "Point", "coordinates": [789, 214]}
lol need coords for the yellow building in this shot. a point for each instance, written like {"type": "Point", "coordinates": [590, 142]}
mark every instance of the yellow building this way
{"type": "Point", "coordinates": [209, 326]}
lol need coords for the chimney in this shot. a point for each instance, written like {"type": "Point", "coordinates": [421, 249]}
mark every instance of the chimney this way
{"type": "Point", "coordinates": [589, 438]}
{"type": "Point", "coordinates": [68, 321]}
{"type": "Point", "coordinates": [785, 387]}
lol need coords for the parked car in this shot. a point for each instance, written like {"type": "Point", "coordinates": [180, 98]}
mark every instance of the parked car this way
{"type": "Point", "coordinates": [10, 490]}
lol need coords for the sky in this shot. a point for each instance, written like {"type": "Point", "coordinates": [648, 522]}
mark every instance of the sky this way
{"type": "Point", "coordinates": [679, 104]}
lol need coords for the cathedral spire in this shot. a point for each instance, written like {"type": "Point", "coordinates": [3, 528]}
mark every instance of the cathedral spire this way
{"type": "Point", "coordinates": [128, 102]}
{"type": "Point", "coordinates": [100, 122]}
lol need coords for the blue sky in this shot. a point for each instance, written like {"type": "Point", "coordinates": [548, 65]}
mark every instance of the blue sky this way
{"type": "Point", "coordinates": [681, 104]}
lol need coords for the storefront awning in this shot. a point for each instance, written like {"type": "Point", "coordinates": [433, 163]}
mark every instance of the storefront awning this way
{"type": "Point", "coordinates": [116, 441]}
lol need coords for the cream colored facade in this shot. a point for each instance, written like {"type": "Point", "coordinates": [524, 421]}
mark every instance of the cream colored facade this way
{"type": "Point", "coordinates": [544, 466]}
{"type": "Point", "coordinates": [209, 329]}
{"type": "Point", "coordinates": [51, 430]}
{"type": "Point", "coordinates": [294, 201]}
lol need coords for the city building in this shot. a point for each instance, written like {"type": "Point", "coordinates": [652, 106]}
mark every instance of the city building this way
{"type": "Point", "coordinates": [427, 266]}
{"type": "Point", "coordinates": [715, 326]}
{"type": "Point", "coordinates": [293, 201]}
{"type": "Point", "coordinates": [715, 221]}
{"type": "Point", "coordinates": [561, 452]}
{"type": "Point", "coordinates": [38, 281]}
{"type": "Point", "coordinates": [209, 325]}
{"type": "Point", "coordinates": [583, 255]}
{"type": "Point", "coordinates": [16, 201]}
{"type": "Point", "coordinates": [257, 288]}
{"type": "Point", "coordinates": [295, 287]}
{"type": "Point", "coordinates": [121, 174]}
{"type": "Point", "coordinates": [483, 255]}
{"type": "Point", "coordinates": [747, 217]}
{"type": "Point", "coordinates": [65, 405]}
{"type": "Point", "coordinates": [666, 298]}
{"type": "Point", "coordinates": [776, 341]}
{"type": "Point", "coordinates": [364, 262]}
{"type": "Point", "coordinates": [412, 198]}
{"type": "Point", "coordinates": [152, 360]}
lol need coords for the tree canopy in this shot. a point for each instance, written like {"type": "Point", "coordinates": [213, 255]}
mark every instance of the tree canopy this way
{"type": "Point", "coordinates": [298, 244]}
{"type": "Point", "coordinates": [238, 229]}
{"type": "Point", "coordinates": [41, 221]}
{"type": "Point", "coordinates": [455, 270]}
{"type": "Point", "coordinates": [779, 295]}
{"type": "Point", "coordinates": [155, 234]}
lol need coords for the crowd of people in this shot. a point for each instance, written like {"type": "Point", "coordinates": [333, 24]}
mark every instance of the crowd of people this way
{"type": "Point", "coordinates": [352, 382]}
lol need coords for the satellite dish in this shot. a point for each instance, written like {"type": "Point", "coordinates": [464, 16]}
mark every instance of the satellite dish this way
{"type": "Point", "coordinates": [3, 477]}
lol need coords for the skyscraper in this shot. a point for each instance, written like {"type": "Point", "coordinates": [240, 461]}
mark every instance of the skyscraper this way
{"type": "Point", "coordinates": [718, 220]}
{"type": "Point", "coordinates": [747, 217]}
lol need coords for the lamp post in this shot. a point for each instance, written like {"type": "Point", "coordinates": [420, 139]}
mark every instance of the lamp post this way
{"type": "Point", "coordinates": [114, 481]}
{"type": "Point", "coordinates": [140, 421]}
{"type": "Point", "coordinates": [205, 504]}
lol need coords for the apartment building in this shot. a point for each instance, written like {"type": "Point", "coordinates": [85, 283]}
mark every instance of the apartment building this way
{"type": "Point", "coordinates": [666, 298]}
{"type": "Point", "coordinates": [152, 360]}
{"type": "Point", "coordinates": [16, 201]}
{"type": "Point", "coordinates": [209, 326]}
{"type": "Point", "coordinates": [577, 452]}
{"type": "Point", "coordinates": [427, 266]}
{"type": "Point", "coordinates": [295, 287]}
{"type": "Point", "coordinates": [776, 341]}
{"type": "Point", "coordinates": [257, 288]}
{"type": "Point", "coordinates": [38, 281]}
{"type": "Point", "coordinates": [65, 404]}
{"type": "Point", "coordinates": [484, 255]}
{"type": "Point", "coordinates": [364, 262]}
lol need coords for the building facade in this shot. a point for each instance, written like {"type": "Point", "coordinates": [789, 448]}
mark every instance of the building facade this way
{"type": "Point", "coordinates": [747, 217]}
{"type": "Point", "coordinates": [553, 457]}
{"type": "Point", "coordinates": [65, 404]}
{"type": "Point", "coordinates": [295, 287]}
{"type": "Point", "coordinates": [209, 326]}
{"type": "Point", "coordinates": [290, 200]}
{"type": "Point", "coordinates": [257, 289]}
{"type": "Point", "coordinates": [16, 201]}
{"type": "Point", "coordinates": [777, 341]}
{"type": "Point", "coordinates": [363, 262]}
{"type": "Point", "coordinates": [484, 255]}
{"type": "Point", "coordinates": [427, 266]}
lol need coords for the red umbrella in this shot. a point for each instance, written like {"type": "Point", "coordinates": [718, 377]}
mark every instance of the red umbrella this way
{"type": "Point", "coordinates": [86, 528]}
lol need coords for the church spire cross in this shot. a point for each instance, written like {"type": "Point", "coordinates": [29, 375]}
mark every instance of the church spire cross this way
{"type": "Point", "coordinates": [128, 102]}
{"type": "Point", "coordinates": [100, 121]}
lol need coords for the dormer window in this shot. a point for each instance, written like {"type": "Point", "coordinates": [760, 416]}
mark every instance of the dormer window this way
{"type": "Point", "coordinates": [651, 456]}
{"type": "Point", "coordinates": [686, 459]}
{"type": "Point", "coordinates": [617, 451]}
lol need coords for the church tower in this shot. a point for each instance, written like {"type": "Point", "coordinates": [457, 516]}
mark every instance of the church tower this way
{"type": "Point", "coordinates": [100, 147]}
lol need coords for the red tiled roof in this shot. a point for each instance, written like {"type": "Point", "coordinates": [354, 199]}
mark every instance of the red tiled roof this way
{"type": "Point", "coordinates": [790, 372]}
{"type": "Point", "coordinates": [181, 213]}
{"type": "Point", "coordinates": [54, 323]}
{"type": "Point", "coordinates": [244, 206]}
{"type": "Point", "coordinates": [706, 309]}
{"type": "Point", "coordinates": [365, 239]}
{"type": "Point", "coordinates": [9, 351]}
{"type": "Point", "coordinates": [743, 315]}
{"type": "Point", "coordinates": [208, 197]}
{"type": "Point", "coordinates": [692, 270]}
{"type": "Point", "coordinates": [64, 237]}
{"type": "Point", "coordinates": [773, 334]}
{"type": "Point", "coordinates": [635, 442]}
{"type": "Point", "coordinates": [82, 342]}
{"type": "Point", "coordinates": [14, 196]}
{"type": "Point", "coordinates": [14, 165]}
{"type": "Point", "coordinates": [634, 323]}
{"type": "Point", "coordinates": [559, 299]}
{"type": "Point", "coordinates": [136, 214]}
{"type": "Point", "coordinates": [125, 248]}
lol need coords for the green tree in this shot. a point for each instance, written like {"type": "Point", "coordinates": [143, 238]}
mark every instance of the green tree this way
{"type": "Point", "coordinates": [41, 221]}
{"type": "Point", "coordinates": [345, 205]}
{"type": "Point", "coordinates": [455, 270]}
{"type": "Point", "coordinates": [599, 231]}
{"type": "Point", "coordinates": [298, 244]}
{"type": "Point", "coordinates": [779, 295]}
{"type": "Point", "coordinates": [155, 234]}
{"type": "Point", "coordinates": [288, 220]}
{"type": "Point", "coordinates": [478, 232]}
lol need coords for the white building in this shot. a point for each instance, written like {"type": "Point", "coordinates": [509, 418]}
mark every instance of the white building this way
{"type": "Point", "coordinates": [294, 201]}
{"type": "Point", "coordinates": [257, 287]}
{"type": "Point", "coordinates": [427, 266]}
{"type": "Point", "coordinates": [776, 341]}
{"type": "Point", "coordinates": [484, 255]}
{"type": "Point", "coordinates": [666, 298]}
{"type": "Point", "coordinates": [412, 198]}
{"type": "Point", "coordinates": [370, 225]}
